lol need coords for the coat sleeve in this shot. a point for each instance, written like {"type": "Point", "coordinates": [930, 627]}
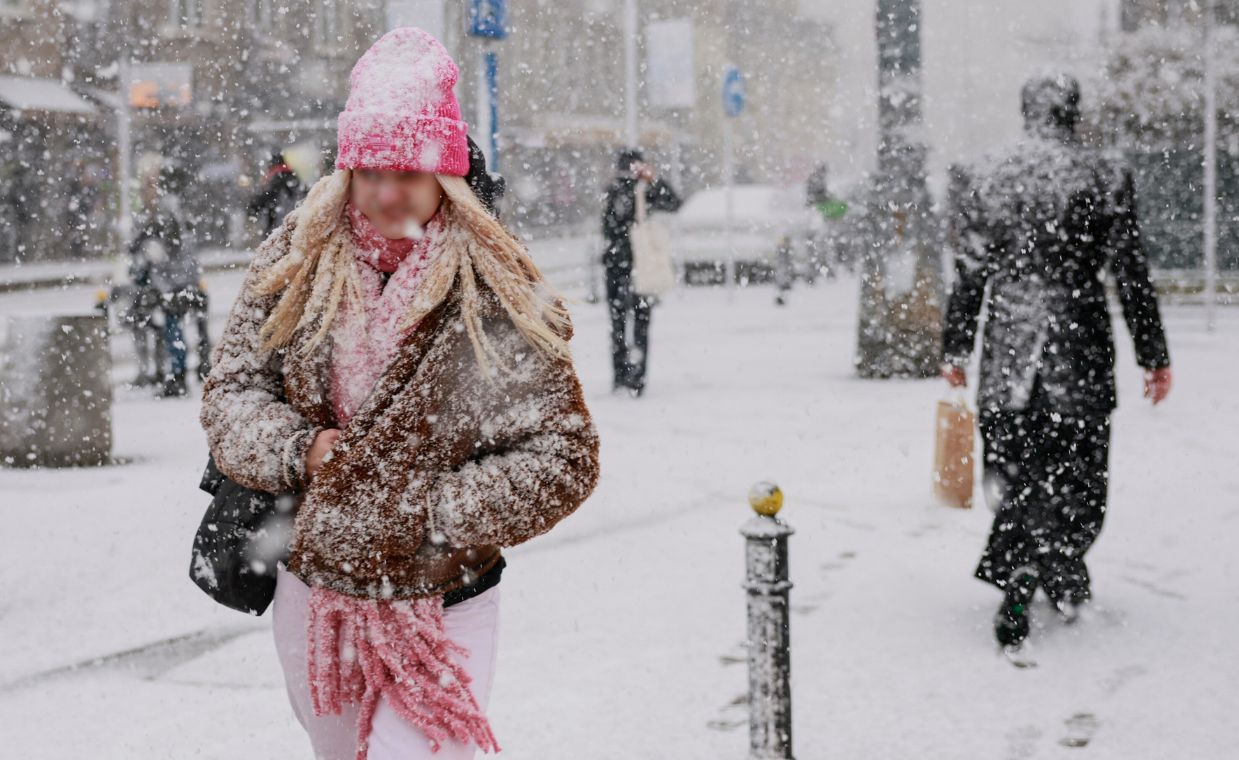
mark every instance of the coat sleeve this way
{"type": "Point", "coordinates": [973, 266]}
{"type": "Point", "coordinates": [263, 199]}
{"type": "Point", "coordinates": [617, 212]}
{"type": "Point", "coordinates": [537, 462]}
{"type": "Point", "coordinates": [661, 197]}
{"type": "Point", "coordinates": [255, 436]}
{"type": "Point", "coordinates": [1131, 274]}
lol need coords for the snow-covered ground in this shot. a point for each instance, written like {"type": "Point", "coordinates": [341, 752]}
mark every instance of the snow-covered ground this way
{"type": "Point", "coordinates": [622, 630]}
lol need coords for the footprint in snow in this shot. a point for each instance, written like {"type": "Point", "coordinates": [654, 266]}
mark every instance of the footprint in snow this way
{"type": "Point", "coordinates": [1081, 728]}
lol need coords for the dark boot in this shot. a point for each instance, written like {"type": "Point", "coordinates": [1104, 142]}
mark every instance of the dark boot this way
{"type": "Point", "coordinates": [1067, 586]}
{"type": "Point", "coordinates": [1011, 624]}
{"type": "Point", "coordinates": [174, 386]}
{"type": "Point", "coordinates": [619, 382]}
{"type": "Point", "coordinates": [1069, 602]}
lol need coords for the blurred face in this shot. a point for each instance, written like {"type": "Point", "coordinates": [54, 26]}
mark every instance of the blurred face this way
{"type": "Point", "coordinates": [391, 200]}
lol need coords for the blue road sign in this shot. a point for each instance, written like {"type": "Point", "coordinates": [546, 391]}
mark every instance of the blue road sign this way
{"type": "Point", "coordinates": [488, 18]}
{"type": "Point", "coordinates": [733, 91]}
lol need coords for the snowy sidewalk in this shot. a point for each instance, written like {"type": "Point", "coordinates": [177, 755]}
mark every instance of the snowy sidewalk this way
{"type": "Point", "coordinates": [621, 633]}
{"type": "Point", "coordinates": [562, 256]}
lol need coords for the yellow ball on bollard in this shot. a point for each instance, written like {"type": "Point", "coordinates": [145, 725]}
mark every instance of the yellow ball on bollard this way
{"type": "Point", "coordinates": [766, 499]}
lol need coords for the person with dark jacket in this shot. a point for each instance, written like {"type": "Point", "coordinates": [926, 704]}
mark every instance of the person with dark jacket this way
{"type": "Point", "coordinates": [165, 267]}
{"type": "Point", "coordinates": [488, 186]}
{"type": "Point", "coordinates": [1035, 227]}
{"type": "Point", "coordinates": [619, 211]}
{"type": "Point", "coordinates": [279, 191]}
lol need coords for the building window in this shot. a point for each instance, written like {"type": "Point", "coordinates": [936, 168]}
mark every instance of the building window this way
{"type": "Point", "coordinates": [329, 23]}
{"type": "Point", "coordinates": [1228, 11]}
{"type": "Point", "coordinates": [185, 14]}
{"type": "Point", "coordinates": [15, 8]}
{"type": "Point", "coordinates": [261, 13]}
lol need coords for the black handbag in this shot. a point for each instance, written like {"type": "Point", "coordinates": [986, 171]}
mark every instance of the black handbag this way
{"type": "Point", "coordinates": [243, 535]}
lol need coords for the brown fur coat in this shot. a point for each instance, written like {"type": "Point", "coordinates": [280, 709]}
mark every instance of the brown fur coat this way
{"type": "Point", "coordinates": [434, 473]}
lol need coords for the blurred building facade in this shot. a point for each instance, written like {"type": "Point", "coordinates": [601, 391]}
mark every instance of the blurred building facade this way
{"type": "Point", "coordinates": [214, 86]}
{"type": "Point", "coordinates": [562, 98]}
{"type": "Point", "coordinates": [53, 142]}
{"type": "Point", "coordinates": [1136, 14]}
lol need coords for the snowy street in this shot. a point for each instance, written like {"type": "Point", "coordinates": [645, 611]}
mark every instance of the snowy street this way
{"type": "Point", "coordinates": [621, 633]}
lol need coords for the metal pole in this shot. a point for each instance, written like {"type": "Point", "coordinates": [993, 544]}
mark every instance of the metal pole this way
{"type": "Point", "coordinates": [124, 144]}
{"type": "Point", "coordinates": [1210, 159]}
{"type": "Point", "coordinates": [729, 203]}
{"type": "Point", "coordinates": [491, 64]}
{"type": "Point", "coordinates": [770, 697]}
{"type": "Point", "coordinates": [631, 135]}
{"type": "Point", "coordinates": [482, 106]}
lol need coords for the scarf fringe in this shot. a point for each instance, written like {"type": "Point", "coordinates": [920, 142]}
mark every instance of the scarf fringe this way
{"type": "Point", "coordinates": [362, 649]}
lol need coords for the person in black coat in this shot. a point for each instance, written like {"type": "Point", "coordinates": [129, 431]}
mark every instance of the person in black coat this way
{"type": "Point", "coordinates": [1035, 227]}
{"type": "Point", "coordinates": [278, 193]}
{"type": "Point", "coordinates": [164, 270]}
{"type": "Point", "coordinates": [486, 185]}
{"type": "Point", "coordinates": [619, 211]}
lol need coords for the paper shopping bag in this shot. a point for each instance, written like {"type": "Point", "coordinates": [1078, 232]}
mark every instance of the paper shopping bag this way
{"type": "Point", "coordinates": [953, 463]}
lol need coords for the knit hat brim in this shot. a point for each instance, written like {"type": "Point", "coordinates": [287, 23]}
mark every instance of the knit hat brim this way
{"type": "Point", "coordinates": [374, 140]}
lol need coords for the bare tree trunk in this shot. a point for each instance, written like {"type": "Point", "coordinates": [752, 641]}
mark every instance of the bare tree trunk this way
{"type": "Point", "coordinates": [900, 325]}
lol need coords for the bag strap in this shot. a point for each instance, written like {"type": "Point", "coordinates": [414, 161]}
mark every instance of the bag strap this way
{"type": "Point", "coordinates": [639, 192]}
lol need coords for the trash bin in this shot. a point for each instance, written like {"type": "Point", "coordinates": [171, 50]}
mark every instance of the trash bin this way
{"type": "Point", "coordinates": [55, 391]}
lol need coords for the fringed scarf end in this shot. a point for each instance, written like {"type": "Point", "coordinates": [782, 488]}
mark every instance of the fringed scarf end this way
{"type": "Point", "coordinates": [360, 650]}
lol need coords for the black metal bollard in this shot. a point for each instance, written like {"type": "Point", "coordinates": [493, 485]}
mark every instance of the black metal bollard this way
{"type": "Point", "coordinates": [770, 695]}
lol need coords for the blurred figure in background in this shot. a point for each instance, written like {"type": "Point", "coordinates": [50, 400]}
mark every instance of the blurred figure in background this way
{"type": "Point", "coordinates": [784, 270]}
{"type": "Point", "coordinates": [825, 253]}
{"type": "Point", "coordinates": [277, 194]}
{"type": "Point", "coordinates": [138, 313]}
{"type": "Point", "coordinates": [619, 211]}
{"type": "Point", "coordinates": [82, 192]}
{"type": "Point", "coordinates": [486, 185]}
{"type": "Point", "coordinates": [165, 272]}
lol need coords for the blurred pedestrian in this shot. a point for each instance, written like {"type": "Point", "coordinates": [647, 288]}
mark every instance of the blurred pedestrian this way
{"type": "Point", "coordinates": [784, 270]}
{"type": "Point", "coordinates": [629, 310]}
{"type": "Point", "coordinates": [278, 193]}
{"type": "Point", "coordinates": [825, 252]}
{"type": "Point", "coordinates": [164, 269]}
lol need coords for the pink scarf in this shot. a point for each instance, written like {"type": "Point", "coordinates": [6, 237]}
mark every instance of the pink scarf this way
{"type": "Point", "coordinates": [382, 253]}
{"type": "Point", "coordinates": [367, 336]}
{"type": "Point", "coordinates": [361, 650]}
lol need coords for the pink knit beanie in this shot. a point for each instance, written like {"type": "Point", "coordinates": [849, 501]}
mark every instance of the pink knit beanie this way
{"type": "Point", "coordinates": [401, 113]}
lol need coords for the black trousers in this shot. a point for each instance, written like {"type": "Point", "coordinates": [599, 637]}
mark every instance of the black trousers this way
{"type": "Point", "coordinates": [1049, 474]}
{"type": "Point", "coordinates": [630, 315]}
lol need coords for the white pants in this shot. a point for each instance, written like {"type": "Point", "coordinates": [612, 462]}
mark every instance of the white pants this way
{"type": "Point", "coordinates": [474, 624]}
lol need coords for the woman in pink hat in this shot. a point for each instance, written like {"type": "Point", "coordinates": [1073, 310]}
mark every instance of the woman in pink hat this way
{"type": "Point", "coordinates": [397, 362]}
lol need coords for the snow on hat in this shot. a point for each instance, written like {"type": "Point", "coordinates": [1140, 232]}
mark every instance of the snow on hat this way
{"type": "Point", "coordinates": [401, 113]}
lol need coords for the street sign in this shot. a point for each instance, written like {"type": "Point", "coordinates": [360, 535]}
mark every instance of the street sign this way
{"type": "Point", "coordinates": [669, 63]}
{"type": "Point", "coordinates": [488, 18]}
{"type": "Point", "coordinates": [733, 91]}
{"type": "Point", "coordinates": [160, 84]}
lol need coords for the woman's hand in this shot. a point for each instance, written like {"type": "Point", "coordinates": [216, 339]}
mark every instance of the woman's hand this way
{"type": "Point", "coordinates": [319, 450]}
